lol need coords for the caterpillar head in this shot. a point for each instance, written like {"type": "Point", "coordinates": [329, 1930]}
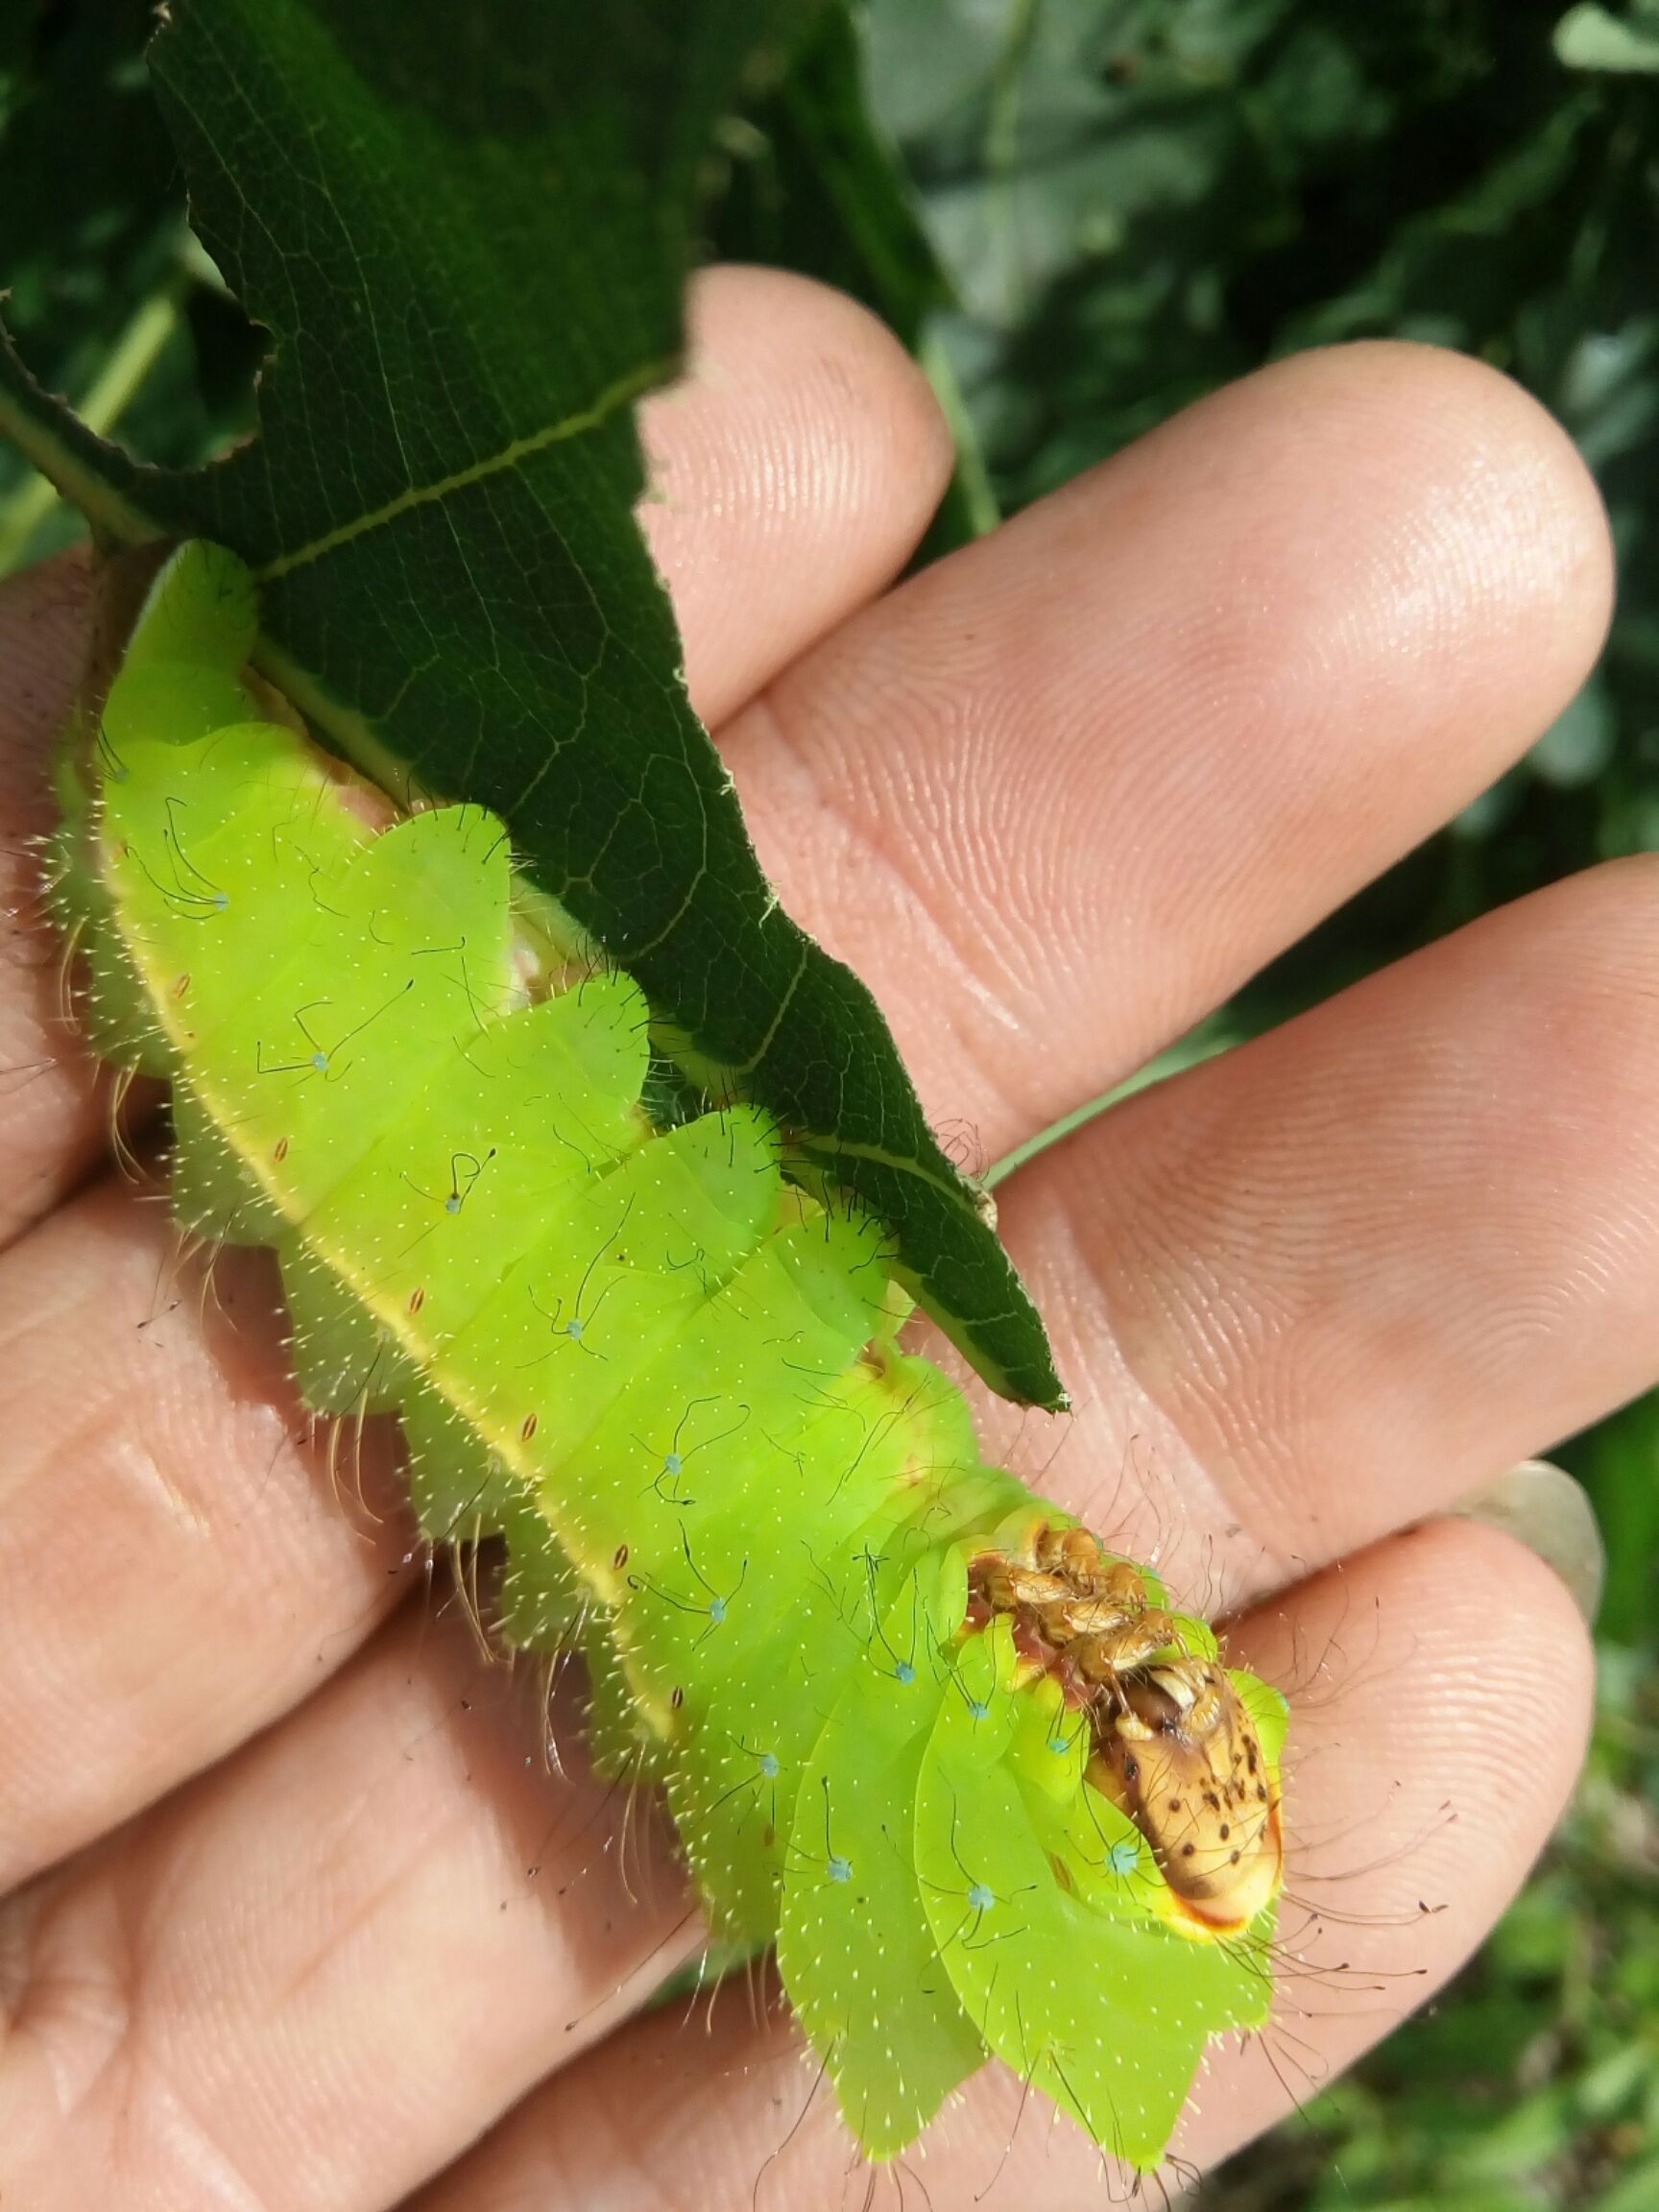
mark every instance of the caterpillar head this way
{"type": "Point", "coordinates": [1175, 1746]}
{"type": "Point", "coordinates": [1182, 1758]}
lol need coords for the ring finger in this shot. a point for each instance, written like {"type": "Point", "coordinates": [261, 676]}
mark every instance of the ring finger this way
{"type": "Point", "coordinates": [1405, 1839]}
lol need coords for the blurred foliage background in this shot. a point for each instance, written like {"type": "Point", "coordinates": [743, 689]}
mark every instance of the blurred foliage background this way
{"type": "Point", "coordinates": [1082, 214]}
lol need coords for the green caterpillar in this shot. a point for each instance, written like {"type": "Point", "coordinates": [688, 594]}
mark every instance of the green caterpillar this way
{"type": "Point", "coordinates": [983, 1792]}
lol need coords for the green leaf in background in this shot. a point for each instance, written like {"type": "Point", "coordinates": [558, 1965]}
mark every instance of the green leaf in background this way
{"type": "Point", "coordinates": [470, 271]}
{"type": "Point", "coordinates": [1589, 37]}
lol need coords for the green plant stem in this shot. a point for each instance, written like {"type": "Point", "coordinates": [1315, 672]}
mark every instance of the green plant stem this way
{"type": "Point", "coordinates": [1204, 1042]}
{"type": "Point", "coordinates": [112, 390]}
{"type": "Point", "coordinates": [978, 494]}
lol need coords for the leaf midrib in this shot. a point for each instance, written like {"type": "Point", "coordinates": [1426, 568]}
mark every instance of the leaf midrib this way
{"type": "Point", "coordinates": [617, 396]}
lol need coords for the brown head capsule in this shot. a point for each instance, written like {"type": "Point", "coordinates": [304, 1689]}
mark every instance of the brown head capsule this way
{"type": "Point", "coordinates": [1181, 1757]}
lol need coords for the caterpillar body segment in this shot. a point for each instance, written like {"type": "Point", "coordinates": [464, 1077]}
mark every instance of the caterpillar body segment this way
{"type": "Point", "coordinates": [980, 1782]}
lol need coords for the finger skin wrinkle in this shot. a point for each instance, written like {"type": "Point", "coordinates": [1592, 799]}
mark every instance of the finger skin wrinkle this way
{"type": "Point", "coordinates": [792, 471]}
{"type": "Point", "coordinates": [77, 2066]}
{"type": "Point", "coordinates": [1370, 1259]}
{"type": "Point", "coordinates": [143, 1475]}
{"type": "Point", "coordinates": [179, 2144]}
{"type": "Point", "coordinates": [966, 998]}
{"type": "Point", "coordinates": [67, 1983]}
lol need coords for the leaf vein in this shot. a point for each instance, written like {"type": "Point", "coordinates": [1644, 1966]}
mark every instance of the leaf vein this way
{"type": "Point", "coordinates": [615, 397]}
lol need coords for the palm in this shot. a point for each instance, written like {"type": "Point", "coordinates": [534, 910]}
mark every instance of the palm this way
{"type": "Point", "coordinates": [331, 1915]}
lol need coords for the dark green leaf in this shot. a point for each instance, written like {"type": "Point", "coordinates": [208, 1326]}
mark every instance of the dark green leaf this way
{"type": "Point", "coordinates": [467, 230]}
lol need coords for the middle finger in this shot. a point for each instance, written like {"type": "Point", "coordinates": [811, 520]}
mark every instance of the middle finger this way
{"type": "Point", "coordinates": [1060, 795]}
{"type": "Point", "coordinates": [1333, 1280]}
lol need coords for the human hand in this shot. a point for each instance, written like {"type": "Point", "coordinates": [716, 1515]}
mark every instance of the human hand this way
{"type": "Point", "coordinates": [300, 1913]}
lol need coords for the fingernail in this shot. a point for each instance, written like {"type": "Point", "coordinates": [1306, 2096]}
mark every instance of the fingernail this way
{"type": "Point", "coordinates": [1542, 1506]}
